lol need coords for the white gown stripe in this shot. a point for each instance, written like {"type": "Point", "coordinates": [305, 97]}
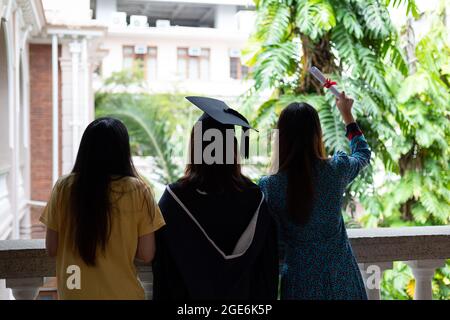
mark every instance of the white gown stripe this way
{"type": "Point", "coordinates": [245, 240]}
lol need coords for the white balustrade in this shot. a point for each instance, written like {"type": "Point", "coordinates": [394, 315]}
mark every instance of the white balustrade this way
{"type": "Point", "coordinates": [423, 271]}
{"type": "Point", "coordinates": [424, 249]}
{"type": "Point", "coordinates": [25, 225]}
{"type": "Point", "coordinates": [24, 208]}
{"type": "Point", "coordinates": [6, 216]}
{"type": "Point", "coordinates": [5, 205]}
{"type": "Point", "coordinates": [24, 263]}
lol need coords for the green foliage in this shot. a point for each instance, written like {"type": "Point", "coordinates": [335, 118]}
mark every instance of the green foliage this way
{"type": "Point", "coordinates": [360, 37]}
{"type": "Point", "coordinates": [410, 4]}
{"type": "Point", "coordinates": [156, 122]}
{"type": "Point", "coordinates": [418, 190]}
{"type": "Point", "coordinates": [398, 283]}
{"type": "Point", "coordinates": [314, 18]}
{"type": "Point", "coordinates": [441, 283]}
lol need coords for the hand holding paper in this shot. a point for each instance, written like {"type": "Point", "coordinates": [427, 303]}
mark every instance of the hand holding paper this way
{"type": "Point", "coordinates": [327, 83]}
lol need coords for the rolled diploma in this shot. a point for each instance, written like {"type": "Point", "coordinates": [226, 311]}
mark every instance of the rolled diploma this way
{"type": "Point", "coordinates": [319, 76]}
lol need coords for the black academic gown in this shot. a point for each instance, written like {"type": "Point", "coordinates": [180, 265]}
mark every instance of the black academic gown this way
{"type": "Point", "coordinates": [215, 246]}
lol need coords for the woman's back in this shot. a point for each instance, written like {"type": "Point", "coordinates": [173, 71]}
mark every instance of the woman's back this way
{"type": "Point", "coordinates": [318, 259]}
{"type": "Point", "coordinates": [331, 177]}
{"type": "Point", "coordinates": [306, 197]}
{"type": "Point", "coordinates": [215, 246]}
{"type": "Point", "coordinates": [134, 213]}
{"type": "Point", "coordinates": [219, 241]}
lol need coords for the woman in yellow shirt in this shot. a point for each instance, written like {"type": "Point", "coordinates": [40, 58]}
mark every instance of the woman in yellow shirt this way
{"type": "Point", "coordinates": [100, 218]}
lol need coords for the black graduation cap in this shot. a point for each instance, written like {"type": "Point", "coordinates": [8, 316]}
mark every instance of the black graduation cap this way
{"type": "Point", "coordinates": [219, 111]}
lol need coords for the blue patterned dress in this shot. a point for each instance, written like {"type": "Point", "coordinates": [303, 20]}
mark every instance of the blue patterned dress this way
{"type": "Point", "coordinates": [318, 260]}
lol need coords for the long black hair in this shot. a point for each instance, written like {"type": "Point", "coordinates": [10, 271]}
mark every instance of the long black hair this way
{"type": "Point", "coordinates": [215, 177]}
{"type": "Point", "coordinates": [300, 147]}
{"type": "Point", "coordinates": [104, 154]}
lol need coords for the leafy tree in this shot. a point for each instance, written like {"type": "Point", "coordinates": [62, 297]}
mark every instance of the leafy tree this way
{"type": "Point", "coordinates": [417, 189]}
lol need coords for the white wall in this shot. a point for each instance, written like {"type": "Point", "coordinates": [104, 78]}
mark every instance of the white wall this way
{"type": "Point", "coordinates": [167, 41]}
{"type": "Point", "coordinates": [67, 11]}
{"type": "Point", "coordinates": [225, 17]}
{"type": "Point", "coordinates": [104, 10]}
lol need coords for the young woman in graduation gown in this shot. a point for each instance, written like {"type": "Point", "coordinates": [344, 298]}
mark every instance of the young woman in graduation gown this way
{"type": "Point", "coordinates": [305, 194]}
{"type": "Point", "coordinates": [219, 241]}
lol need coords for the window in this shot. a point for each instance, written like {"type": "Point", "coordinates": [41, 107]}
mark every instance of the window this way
{"type": "Point", "coordinates": [128, 58]}
{"type": "Point", "coordinates": [152, 63]}
{"type": "Point", "coordinates": [193, 65]}
{"type": "Point", "coordinates": [145, 62]}
{"type": "Point", "coordinates": [237, 70]}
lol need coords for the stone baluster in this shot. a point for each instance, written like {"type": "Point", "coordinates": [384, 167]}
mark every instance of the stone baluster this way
{"type": "Point", "coordinates": [4, 292]}
{"type": "Point", "coordinates": [372, 274]}
{"type": "Point", "coordinates": [26, 288]}
{"type": "Point", "coordinates": [146, 277]}
{"type": "Point", "coordinates": [25, 226]}
{"type": "Point", "coordinates": [423, 271]}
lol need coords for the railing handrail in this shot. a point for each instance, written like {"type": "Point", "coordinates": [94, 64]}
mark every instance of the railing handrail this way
{"type": "Point", "coordinates": [28, 258]}
{"type": "Point", "coordinates": [400, 244]}
{"type": "Point", "coordinates": [399, 232]}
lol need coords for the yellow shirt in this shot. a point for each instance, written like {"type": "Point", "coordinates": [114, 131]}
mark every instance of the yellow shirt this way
{"type": "Point", "coordinates": [114, 276]}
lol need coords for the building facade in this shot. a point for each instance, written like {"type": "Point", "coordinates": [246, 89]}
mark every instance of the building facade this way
{"type": "Point", "coordinates": [46, 102]}
{"type": "Point", "coordinates": [180, 46]}
{"type": "Point", "coordinates": [54, 54]}
{"type": "Point", "coordinates": [20, 20]}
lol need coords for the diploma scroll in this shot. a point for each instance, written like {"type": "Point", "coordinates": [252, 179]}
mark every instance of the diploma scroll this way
{"type": "Point", "coordinates": [327, 83]}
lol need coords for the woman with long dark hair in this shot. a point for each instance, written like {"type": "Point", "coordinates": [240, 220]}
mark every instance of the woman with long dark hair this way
{"type": "Point", "coordinates": [305, 194]}
{"type": "Point", "coordinates": [100, 218]}
{"type": "Point", "coordinates": [219, 241]}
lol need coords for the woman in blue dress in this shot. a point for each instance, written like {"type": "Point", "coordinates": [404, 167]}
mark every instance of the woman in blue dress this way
{"type": "Point", "coordinates": [305, 194]}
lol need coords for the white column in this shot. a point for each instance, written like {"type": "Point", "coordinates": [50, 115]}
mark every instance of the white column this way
{"type": "Point", "coordinates": [25, 226]}
{"type": "Point", "coordinates": [86, 83]}
{"type": "Point", "coordinates": [55, 110]}
{"type": "Point", "coordinates": [372, 274]}
{"type": "Point", "coordinates": [423, 271]}
{"type": "Point", "coordinates": [15, 147]}
{"type": "Point", "coordinates": [75, 51]}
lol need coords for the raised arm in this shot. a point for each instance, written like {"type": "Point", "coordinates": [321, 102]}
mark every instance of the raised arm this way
{"type": "Point", "coordinates": [360, 152]}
